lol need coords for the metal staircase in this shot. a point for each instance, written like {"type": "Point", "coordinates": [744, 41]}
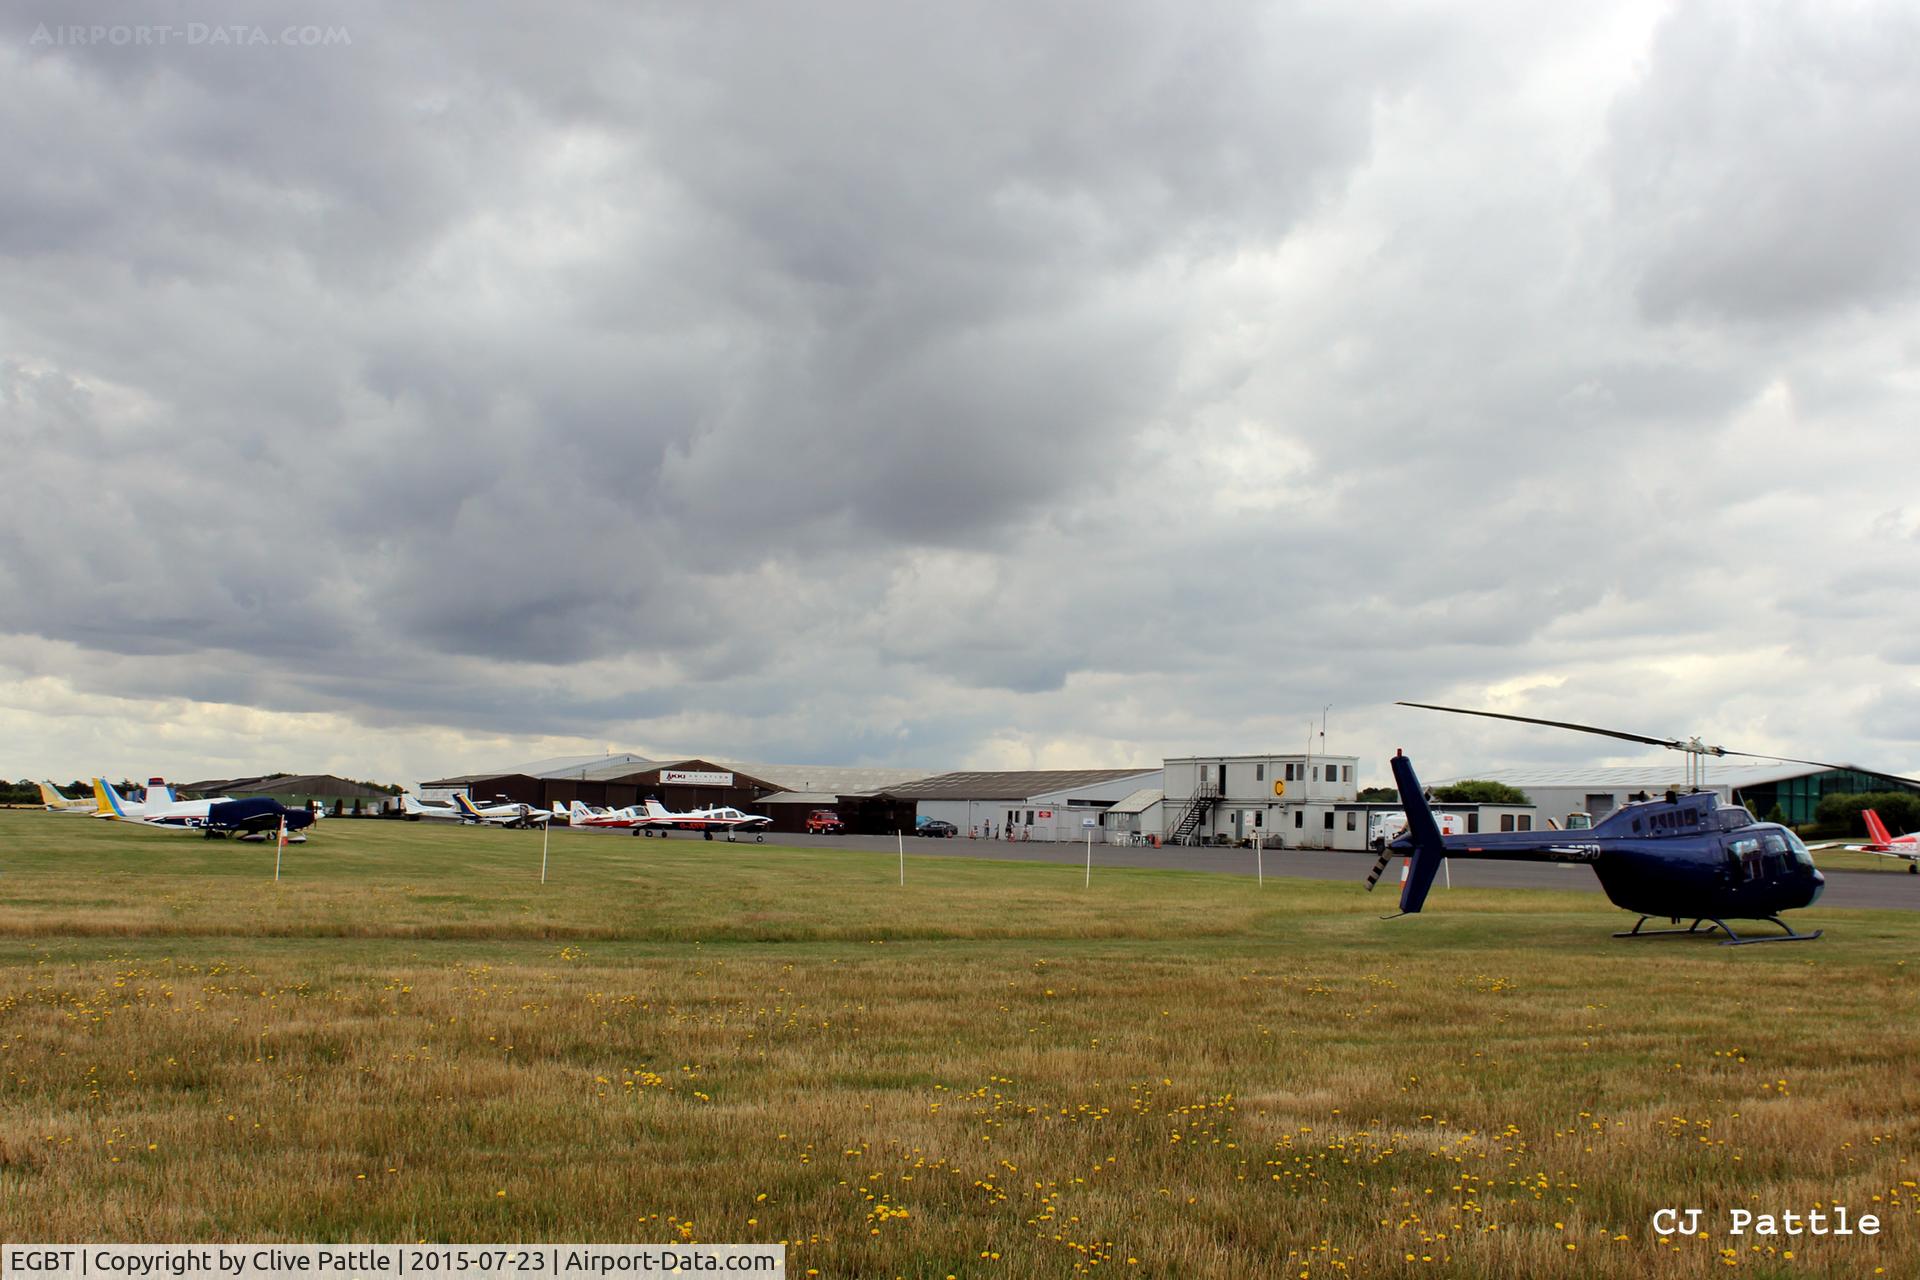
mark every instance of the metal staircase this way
{"type": "Point", "coordinates": [1199, 805]}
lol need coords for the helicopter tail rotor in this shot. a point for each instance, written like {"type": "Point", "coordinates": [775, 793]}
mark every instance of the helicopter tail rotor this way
{"type": "Point", "coordinates": [1429, 850]}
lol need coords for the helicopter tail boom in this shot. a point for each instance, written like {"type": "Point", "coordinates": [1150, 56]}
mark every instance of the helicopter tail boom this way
{"type": "Point", "coordinates": [1429, 850]}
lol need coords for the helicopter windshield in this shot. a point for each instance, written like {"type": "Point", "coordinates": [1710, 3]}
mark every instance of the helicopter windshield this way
{"type": "Point", "coordinates": [1782, 849]}
{"type": "Point", "coordinates": [1801, 854]}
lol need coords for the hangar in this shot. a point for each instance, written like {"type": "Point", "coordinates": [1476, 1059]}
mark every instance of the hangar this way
{"type": "Point", "coordinates": [612, 782]}
{"type": "Point", "coordinates": [1024, 804]}
{"type": "Point", "coordinates": [618, 780]}
{"type": "Point", "coordinates": [1797, 789]}
{"type": "Point", "coordinates": [322, 791]}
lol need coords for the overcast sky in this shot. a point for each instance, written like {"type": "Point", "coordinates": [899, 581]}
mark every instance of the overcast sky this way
{"type": "Point", "coordinates": [962, 385]}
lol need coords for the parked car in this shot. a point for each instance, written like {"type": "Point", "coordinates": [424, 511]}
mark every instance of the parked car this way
{"type": "Point", "coordinates": [937, 827]}
{"type": "Point", "coordinates": [823, 822]}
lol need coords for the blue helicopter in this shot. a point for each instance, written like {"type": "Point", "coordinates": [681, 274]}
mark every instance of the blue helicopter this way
{"type": "Point", "coordinates": [1681, 856]}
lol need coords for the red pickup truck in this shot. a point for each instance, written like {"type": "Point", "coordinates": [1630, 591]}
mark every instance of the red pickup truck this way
{"type": "Point", "coordinates": [824, 822]}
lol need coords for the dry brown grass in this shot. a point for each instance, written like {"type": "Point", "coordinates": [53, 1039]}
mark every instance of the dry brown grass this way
{"type": "Point", "coordinates": [991, 1073]}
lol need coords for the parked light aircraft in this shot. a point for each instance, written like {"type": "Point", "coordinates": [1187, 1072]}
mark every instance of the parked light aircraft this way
{"type": "Point", "coordinates": [586, 817]}
{"type": "Point", "coordinates": [56, 801]}
{"type": "Point", "coordinates": [252, 818]}
{"type": "Point", "coordinates": [1882, 842]}
{"type": "Point", "coordinates": [505, 814]}
{"type": "Point", "coordinates": [412, 806]}
{"type": "Point", "coordinates": [705, 821]}
{"type": "Point", "coordinates": [111, 805]}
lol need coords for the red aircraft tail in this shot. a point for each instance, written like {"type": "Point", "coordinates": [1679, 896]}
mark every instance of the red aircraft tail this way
{"type": "Point", "coordinates": [1876, 828]}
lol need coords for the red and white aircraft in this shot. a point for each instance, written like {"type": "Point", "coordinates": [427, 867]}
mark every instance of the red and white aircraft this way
{"type": "Point", "coordinates": [705, 821]}
{"type": "Point", "coordinates": [583, 816]}
{"type": "Point", "coordinates": [1888, 845]}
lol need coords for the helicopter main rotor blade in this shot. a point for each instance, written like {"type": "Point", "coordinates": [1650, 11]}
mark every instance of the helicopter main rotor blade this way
{"type": "Point", "coordinates": [1675, 743]}
{"type": "Point", "coordinates": [1848, 768]}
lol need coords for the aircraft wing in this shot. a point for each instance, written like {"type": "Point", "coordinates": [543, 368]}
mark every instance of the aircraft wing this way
{"type": "Point", "coordinates": [1905, 855]}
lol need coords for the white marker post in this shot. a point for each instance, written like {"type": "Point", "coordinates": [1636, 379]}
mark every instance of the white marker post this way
{"type": "Point", "coordinates": [280, 847]}
{"type": "Point", "coordinates": [546, 836]}
{"type": "Point", "coordinates": [1089, 883]}
{"type": "Point", "coordinates": [1259, 860]}
{"type": "Point", "coordinates": [903, 854]}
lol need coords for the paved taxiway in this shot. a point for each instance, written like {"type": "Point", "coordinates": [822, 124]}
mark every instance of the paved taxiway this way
{"type": "Point", "coordinates": [1875, 889]}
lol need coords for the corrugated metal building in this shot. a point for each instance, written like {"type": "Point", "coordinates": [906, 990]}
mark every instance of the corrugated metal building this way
{"type": "Point", "coordinates": [334, 795]}
{"type": "Point", "coordinates": [621, 779]}
{"type": "Point", "coordinates": [1024, 804]}
{"type": "Point", "coordinates": [614, 782]}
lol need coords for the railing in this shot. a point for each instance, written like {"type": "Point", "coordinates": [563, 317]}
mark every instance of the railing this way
{"type": "Point", "coordinates": [1199, 804]}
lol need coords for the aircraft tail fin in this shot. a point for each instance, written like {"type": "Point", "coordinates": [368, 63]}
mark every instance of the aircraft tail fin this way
{"type": "Point", "coordinates": [110, 801]}
{"type": "Point", "coordinates": [409, 803]}
{"type": "Point", "coordinates": [159, 793]}
{"type": "Point", "coordinates": [50, 797]}
{"type": "Point", "coordinates": [1876, 828]}
{"type": "Point", "coordinates": [1429, 850]}
{"type": "Point", "coordinates": [655, 809]}
{"type": "Point", "coordinates": [464, 803]}
{"type": "Point", "coordinates": [578, 812]}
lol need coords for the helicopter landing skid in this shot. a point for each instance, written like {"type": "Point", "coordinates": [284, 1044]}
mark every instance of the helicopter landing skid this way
{"type": "Point", "coordinates": [1731, 940]}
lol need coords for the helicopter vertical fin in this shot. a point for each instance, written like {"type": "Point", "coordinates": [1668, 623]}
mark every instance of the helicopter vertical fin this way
{"type": "Point", "coordinates": [1429, 851]}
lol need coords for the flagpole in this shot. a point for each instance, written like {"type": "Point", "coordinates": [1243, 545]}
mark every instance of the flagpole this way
{"type": "Point", "coordinates": [903, 854]}
{"type": "Point", "coordinates": [280, 847]}
{"type": "Point", "coordinates": [546, 834]}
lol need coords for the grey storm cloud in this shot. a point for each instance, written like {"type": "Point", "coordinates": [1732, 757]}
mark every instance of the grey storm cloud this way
{"type": "Point", "coordinates": [873, 383]}
{"type": "Point", "coordinates": [1764, 160]}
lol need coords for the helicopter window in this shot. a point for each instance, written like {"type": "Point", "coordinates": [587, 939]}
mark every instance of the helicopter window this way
{"type": "Point", "coordinates": [1783, 848]}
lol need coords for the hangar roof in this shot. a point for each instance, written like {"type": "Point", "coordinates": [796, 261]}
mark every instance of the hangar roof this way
{"type": "Point", "coordinates": [316, 784]}
{"type": "Point", "coordinates": [467, 779]}
{"type": "Point", "coordinates": [838, 779]}
{"type": "Point", "coordinates": [841, 780]}
{"type": "Point", "coordinates": [570, 766]}
{"type": "Point", "coordinates": [1013, 784]}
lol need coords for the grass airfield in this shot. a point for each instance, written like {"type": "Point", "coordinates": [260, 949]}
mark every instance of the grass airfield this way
{"type": "Point", "coordinates": [991, 1071]}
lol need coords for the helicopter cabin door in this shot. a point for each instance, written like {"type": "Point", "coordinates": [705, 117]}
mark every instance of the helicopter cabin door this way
{"type": "Point", "coordinates": [1756, 861]}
